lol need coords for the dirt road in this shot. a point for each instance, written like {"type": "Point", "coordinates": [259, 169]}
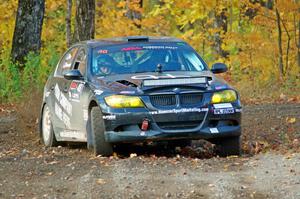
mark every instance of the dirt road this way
{"type": "Point", "coordinates": [269, 167]}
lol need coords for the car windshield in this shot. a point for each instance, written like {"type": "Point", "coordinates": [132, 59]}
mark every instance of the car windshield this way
{"type": "Point", "coordinates": [145, 57]}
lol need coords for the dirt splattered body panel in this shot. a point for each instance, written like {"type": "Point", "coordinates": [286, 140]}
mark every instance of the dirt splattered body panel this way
{"type": "Point", "coordinates": [149, 101]}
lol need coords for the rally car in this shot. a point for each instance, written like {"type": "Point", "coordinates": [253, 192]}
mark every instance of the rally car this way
{"type": "Point", "coordinates": [138, 89]}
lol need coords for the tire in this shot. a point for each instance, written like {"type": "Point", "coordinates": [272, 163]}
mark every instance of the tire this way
{"type": "Point", "coordinates": [101, 147]}
{"type": "Point", "coordinates": [227, 146]}
{"type": "Point", "coordinates": [47, 133]}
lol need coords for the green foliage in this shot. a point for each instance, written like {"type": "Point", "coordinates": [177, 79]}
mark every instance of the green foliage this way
{"type": "Point", "coordinates": [10, 87]}
{"type": "Point", "coordinates": [16, 83]}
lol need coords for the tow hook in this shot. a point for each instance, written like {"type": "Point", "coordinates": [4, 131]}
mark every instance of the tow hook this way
{"type": "Point", "coordinates": [145, 125]}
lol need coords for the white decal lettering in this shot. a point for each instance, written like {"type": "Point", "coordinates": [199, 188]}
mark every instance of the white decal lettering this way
{"type": "Point", "coordinates": [62, 115]}
{"type": "Point", "coordinates": [80, 88]}
{"type": "Point", "coordinates": [214, 130]}
{"type": "Point", "coordinates": [98, 92]}
{"type": "Point", "coordinates": [63, 101]}
{"type": "Point", "coordinates": [85, 115]}
{"type": "Point", "coordinates": [127, 92]}
{"type": "Point", "coordinates": [65, 104]}
{"type": "Point", "coordinates": [143, 77]}
{"type": "Point", "coordinates": [57, 92]}
{"type": "Point", "coordinates": [184, 110]}
{"type": "Point", "coordinates": [160, 47]}
{"type": "Point", "coordinates": [223, 105]}
{"type": "Point", "coordinates": [109, 117]}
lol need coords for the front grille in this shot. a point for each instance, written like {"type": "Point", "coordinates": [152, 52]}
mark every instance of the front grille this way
{"type": "Point", "coordinates": [163, 100]}
{"type": "Point", "coordinates": [178, 125]}
{"type": "Point", "coordinates": [191, 98]}
{"type": "Point", "coordinates": [170, 99]}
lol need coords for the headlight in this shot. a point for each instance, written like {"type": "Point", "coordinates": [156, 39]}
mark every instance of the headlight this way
{"type": "Point", "coordinates": [123, 101]}
{"type": "Point", "coordinates": [224, 96]}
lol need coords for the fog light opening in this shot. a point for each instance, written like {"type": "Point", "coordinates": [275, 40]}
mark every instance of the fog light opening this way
{"type": "Point", "coordinates": [145, 125]}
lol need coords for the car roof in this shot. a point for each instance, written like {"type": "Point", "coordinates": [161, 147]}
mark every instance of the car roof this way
{"type": "Point", "coordinates": [124, 40]}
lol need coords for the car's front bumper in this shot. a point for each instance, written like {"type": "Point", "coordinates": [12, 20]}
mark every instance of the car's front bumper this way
{"type": "Point", "coordinates": [208, 125]}
{"type": "Point", "coordinates": [152, 135]}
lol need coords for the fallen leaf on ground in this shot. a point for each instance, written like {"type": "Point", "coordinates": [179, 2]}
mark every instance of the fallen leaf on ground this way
{"type": "Point", "coordinates": [132, 155]}
{"type": "Point", "coordinates": [291, 120]}
{"type": "Point", "coordinates": [100, 181]}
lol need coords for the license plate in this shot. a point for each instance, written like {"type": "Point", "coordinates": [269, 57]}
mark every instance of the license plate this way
{"type": "Point", "coordinates": [223, 111]}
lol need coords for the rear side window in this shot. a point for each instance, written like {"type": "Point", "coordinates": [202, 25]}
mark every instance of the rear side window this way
{"type": "Point", "coordinates": [66, 62]}
{"type": "Point", "coordinates": [80, 61]}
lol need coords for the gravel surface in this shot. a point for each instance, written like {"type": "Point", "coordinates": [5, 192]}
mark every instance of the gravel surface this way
{"type": "Point", "coordinates": [269, 167]}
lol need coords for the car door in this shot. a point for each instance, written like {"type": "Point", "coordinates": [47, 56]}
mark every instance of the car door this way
{"type": "Point", "coordinates": [62, 108]}
{"type": "Point", "coordinates": [76, 89]}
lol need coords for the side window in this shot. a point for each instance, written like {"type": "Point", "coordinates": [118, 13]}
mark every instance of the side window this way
{"type": "Point", "coordinates": [80, 61]}
{"type": "Point", "coordinates": [66, 62]}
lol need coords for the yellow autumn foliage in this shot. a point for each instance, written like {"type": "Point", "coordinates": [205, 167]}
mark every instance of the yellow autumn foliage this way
{"type": "Point", "coordinates": [249, 40]}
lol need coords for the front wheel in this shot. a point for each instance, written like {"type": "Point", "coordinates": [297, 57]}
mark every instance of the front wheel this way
{"type": "Point", "coordinates": [47, 133]}
{"type": "Point", "coordinates": [101, 147]}
{"type": "Point", "coordinates": [227, 146]}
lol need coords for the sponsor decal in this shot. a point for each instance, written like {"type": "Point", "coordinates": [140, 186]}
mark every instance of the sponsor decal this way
{"type": "Point", "coordinates": [184, 110]}
{"type": "Point", "coordinates": [98, 92]}
{"type": "Point", "coordinates": [80, 87]}
{"type": "Point", "coordinates": [223, 105]}
{"type": "Point", "coordinates": [214, 130]}
{"type": "Point", "coordinates": [143, 77]}
{"type": "Point", "coordinates": [73, 85]}
{"type": "Point", "coordinates": [109, 117]}
{"type": "Point", "coordinates": [177, 81]}
{"type": "Point", "coordinates": [103, 51]}
{"type": "Point", "coordinates": [127, 92]}
{"type": "Point", "coordinates": [75, 90]}
{"type": "Point", "coordinates": [74, 96]}
{"type": "Point", "coordinates": [85, 115]}
{"type": "Point", "coordinates": [131, 48]}
{"type": "Point", "coordinates": [62, 115]}
{"type": "Point", "coordinates": [160, 47]}
{"type": "Point", "coordinates": [223, 108]}
{"type": "Point", "coordinates": [63, 101]}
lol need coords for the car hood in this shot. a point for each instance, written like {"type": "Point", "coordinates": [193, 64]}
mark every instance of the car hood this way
{"type": "Point", "coordinates": [134, 83]}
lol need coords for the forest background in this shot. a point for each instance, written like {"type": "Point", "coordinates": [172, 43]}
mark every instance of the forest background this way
{"type": "Point", "coordinates": [259, 40]}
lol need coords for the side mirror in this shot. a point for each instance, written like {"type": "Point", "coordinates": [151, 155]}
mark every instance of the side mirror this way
{"type": "Point", "coordinates": [219, 68]}
{"type": "Point", "coordinates": [73, 75]}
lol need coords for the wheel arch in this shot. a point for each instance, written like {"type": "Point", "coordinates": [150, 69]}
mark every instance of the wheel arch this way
{"type": "Point", "coordinates": [92, 104]}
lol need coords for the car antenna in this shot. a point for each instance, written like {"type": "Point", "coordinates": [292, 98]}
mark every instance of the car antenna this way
{"type": "Point", "coordinates": [159, 68]}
